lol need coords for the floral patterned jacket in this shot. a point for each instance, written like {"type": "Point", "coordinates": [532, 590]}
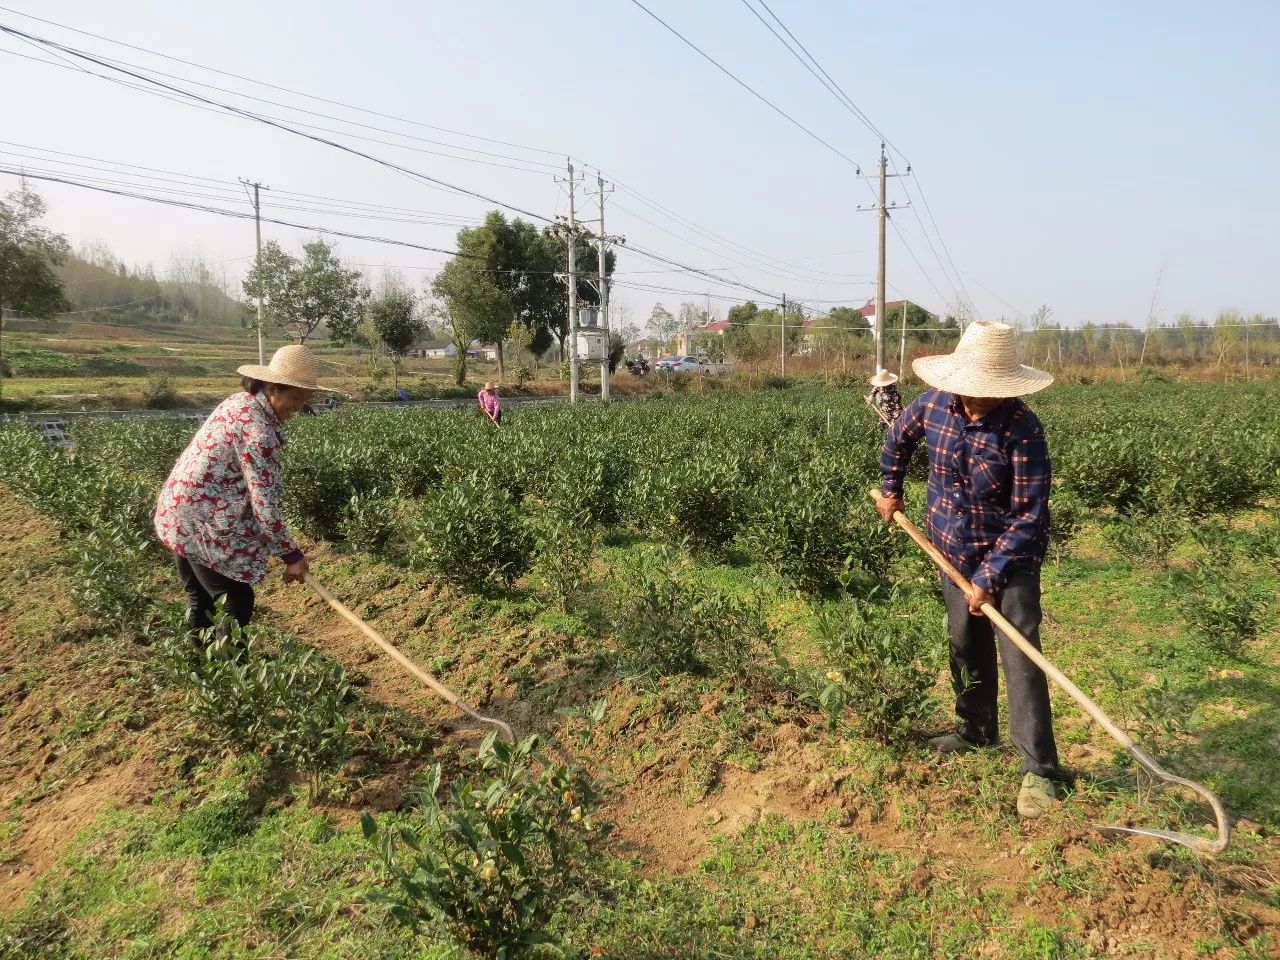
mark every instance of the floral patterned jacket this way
{"type": "Point", "coordinates": [221, 504]}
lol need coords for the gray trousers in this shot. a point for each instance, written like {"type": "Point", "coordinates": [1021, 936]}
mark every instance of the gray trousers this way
{"type": "Point", "coordinates": [976, 682]}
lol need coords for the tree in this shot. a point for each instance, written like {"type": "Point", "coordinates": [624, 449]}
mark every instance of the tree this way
{"type": "Point", "coordinates": [301, 295]}
{"type": "Point", "coordinates": [397, 324]}
{"type": "Point", "coordinates": [28, 254]}
{"type": "Point", "coordinates": [662, 325]}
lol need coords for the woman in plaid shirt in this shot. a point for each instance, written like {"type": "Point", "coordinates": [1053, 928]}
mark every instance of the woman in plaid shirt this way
{"type": "Point", "coordinates": [988, 494]}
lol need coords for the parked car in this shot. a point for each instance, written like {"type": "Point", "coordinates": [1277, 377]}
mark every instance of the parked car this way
{"type": "Point", "coordinates": [685, 365]}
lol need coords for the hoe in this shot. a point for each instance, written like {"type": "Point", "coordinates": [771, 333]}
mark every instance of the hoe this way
{"type": "Point", "coordinates": [404, 661]}
{"type": "Point", "coordinates": [1144, 759]}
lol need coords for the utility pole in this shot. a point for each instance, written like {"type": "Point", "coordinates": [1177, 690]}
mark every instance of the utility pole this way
{"type": "Point", "coordinates": [882, 207]}
{"type": "Point", "coordinates": [784, 336]}
{"type": "Point", "coordinates": [257, 233]}
{"type": "Point", "coordinates": [568, 229]}
{"type": "Point", "coordinates": [573, 292]}
{"type": "Point", "coordinates": [601, 240]}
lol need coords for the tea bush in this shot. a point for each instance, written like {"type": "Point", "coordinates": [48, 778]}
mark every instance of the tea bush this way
{"type": "Point", "coordinates": [283, 700]}
{"type": "Point", "coordinates": [673, 624]}
{"type": "Point", "coordinates": [472, 534]}
{"type": "Point", "coordinates": [1225, 612]}
{"type": "Point", "coordinates": [879, 671]}
{"type": "Point", "coordinates": [510, 848]}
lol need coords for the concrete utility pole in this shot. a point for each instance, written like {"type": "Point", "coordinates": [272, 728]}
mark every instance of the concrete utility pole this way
{"type": "Point", "coordinates": [603, 320]}
{"type": "Point", "coordinates": [784, 336]}
{"type": "Point", "coordinates": [882, 208]}
{"type": "Point", "coordinates": [257, 233]}
{"type": "Point", "coordinates": [573, 292]}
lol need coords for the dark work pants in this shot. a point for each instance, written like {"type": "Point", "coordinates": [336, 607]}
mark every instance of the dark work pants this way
{"type": "Point", "coordinates": [205, 586]}
{"type": "Point", "coordinates": [976, 682]}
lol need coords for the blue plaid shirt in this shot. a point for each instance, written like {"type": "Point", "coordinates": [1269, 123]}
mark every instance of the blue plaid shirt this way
{"type": "Point", "coordinates": [988, 483]}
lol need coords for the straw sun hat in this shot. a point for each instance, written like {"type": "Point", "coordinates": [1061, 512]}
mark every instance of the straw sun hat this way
{"type": "Point", "coordinates": [291, 366]}
{"type": "Point", "coordinates": [984, 364]}
{"type": "Point", "coordinates": [884, 378]}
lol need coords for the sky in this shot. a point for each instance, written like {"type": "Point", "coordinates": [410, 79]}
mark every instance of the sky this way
{"type": "Point", "coordinates": [1084, 156]}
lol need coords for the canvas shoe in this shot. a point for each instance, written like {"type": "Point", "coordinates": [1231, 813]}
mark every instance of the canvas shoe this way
{"type": "Point", "coordinates": [1037, 796]}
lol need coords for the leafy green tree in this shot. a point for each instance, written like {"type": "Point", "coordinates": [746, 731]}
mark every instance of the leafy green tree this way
{"type": "Point", "coordinates": [397, 324]}
{"type": "Point", "coordinates": [302, 294]}
{"type": "Point", "coordinates": [663, 326]}
{"type": "Point", "coordinates": [742, 313]}
{"type": "Point", "coordinates": [28, 254]}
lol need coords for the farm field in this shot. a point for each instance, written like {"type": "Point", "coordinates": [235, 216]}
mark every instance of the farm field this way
{"type": "Point", "coordinates": [105, 366]}
{"type": "Point", "coordinates": [729, 659]}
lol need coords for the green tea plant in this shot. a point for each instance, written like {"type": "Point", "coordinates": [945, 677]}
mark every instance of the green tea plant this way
{"type": "Point", "coordinates": [112, 574]}
{"type": "Point", "coordinates": [1225, 612]}
{"type": "Point", "coordinates": [370, 523]}
{"type": "Point", "coordinates": [510, 848]}
{"type": "Point", "coordinates": [811, 522]}
{"type": "Point", "coordinates": [1149, 539]}
{"type": "Point", "coordinates": [472, 534]}
{"type": "Point", "coordinates": [283, 700]}
{"type": "Point", "coordinates": [565, 543]}
{"type": "Point", "coordinates": [698, 502]}
{"type": "Point", "coordinates": [673, 624]}
{"type": "Point", "coordinates": [879, 671]}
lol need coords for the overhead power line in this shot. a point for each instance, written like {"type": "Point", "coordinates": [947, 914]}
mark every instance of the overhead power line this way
{"type": "Point", "coordinates": [745, 86]}
{"type": "Point", "coordinates": [250, 115]}
{"type": "Point", "coordinates": [234, 214]}
{"type": "Point", "coordinates": [273, 86]}
{"type": "Point", "coordinates": [953, 279]}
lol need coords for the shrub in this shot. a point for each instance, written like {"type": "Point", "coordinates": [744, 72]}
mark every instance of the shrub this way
{"type": "Point", "coordinates": [471, 533]}
{"type": "Point", "coordinates": [509, 851]}
{"type": "Point", "coordinates": [811, 525]}
{"type": "Point", "coordinates": [370, 524]}
{"type": "Point", "coordinates": [878, 671]}
{"type": "Point", "coordinates": [1147, 539]}
{"type": "Point", "coordinates": [1223, 611]}
{"type": "Point", "coordinates": [696, 500]}
{"type": "Point", "coordinates": [288, 704]}
{"type": "Point", "coordinates": [675, 625]}
{"type": "Point", "coordinates": [111, 574]}
{"type": "Point", "coordinates": [160, 391]}
{"type": "Point", "coordinates": [1066, 516]}
{"type": "Point", "coordinates": [565, 540]}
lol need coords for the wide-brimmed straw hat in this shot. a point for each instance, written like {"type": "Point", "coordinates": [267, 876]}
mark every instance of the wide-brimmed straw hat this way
{"type": "Point", "coordinates": [291, 366]}
{"type": "Point", "coordinates": [984, 364]}
{"type": "Point", "coordinates": [884, 378]}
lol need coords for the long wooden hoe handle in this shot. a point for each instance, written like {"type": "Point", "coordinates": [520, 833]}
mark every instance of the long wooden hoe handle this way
{"type": "Point", "coordinates": [1143, 758]}
{"type": "Point", "coordinates": [401, 659]}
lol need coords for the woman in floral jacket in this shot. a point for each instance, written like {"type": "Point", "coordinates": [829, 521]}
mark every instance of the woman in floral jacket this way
{"type": "Point", "coordinates": [219, 511]}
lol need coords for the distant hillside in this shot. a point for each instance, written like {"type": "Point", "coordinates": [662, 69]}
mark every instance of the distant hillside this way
{"type": "Point", "coordinates": [192, 292]}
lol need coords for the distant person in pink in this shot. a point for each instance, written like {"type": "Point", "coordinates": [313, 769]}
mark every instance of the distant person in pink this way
{"type": "Point", "coordinates": [489, 402]}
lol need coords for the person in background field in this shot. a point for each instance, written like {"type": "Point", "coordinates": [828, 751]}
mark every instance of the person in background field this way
{"type": "Point", "coordinates": [884, 397]}
{"type": "Point", "coordinates": [219, 511]}
{"type": "Point", "coordinates": [988, 493]}
{"type": "Point", "coordinates": [490, 402]}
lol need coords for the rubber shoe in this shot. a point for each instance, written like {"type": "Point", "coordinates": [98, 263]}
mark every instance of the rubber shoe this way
{"type": "Point", "coordinates": [950, 743]}
{"type": "Point", "coordinates": [1037, 796]}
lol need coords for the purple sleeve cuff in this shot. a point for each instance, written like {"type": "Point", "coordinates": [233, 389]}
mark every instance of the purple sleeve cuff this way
{"type": "Point", "coordinates": [293, 556]}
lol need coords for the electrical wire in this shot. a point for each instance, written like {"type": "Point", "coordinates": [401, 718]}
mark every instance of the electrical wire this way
{"type": "Point", "coordinates": [273, 86]}
{"type": "Point", "coordinates": [250, 115]}
{"type": "Point", "coordinates": [742, 83]}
